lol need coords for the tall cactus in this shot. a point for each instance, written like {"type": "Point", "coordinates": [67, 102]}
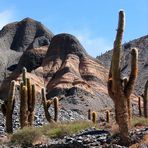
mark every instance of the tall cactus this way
{"type": "Point", "coordinates": [29, 99]}
{"type": "Point", "coordinates": [31, 105]}
{"type": "Point", "coordinates": [8, 107]}
{"type": "Point", "coordinates": [24, 107]}
{"type": "Point", "coordinates": [145, 100]}
{"type": "Point", "coordinates": [119, 92]}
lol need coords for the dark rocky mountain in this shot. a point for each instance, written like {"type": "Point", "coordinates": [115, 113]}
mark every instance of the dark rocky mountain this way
{"type": "Point", "coordinates": [23, 35]}
{"type": "Point", "coordinates": [66, 71]}
{"type": "Point", "coordinates": [142, 45]}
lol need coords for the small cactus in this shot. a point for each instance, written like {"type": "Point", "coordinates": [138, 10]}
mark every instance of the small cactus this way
{"type": "Point", "coordinates": [89, 114]}
{"type": "Point", "coordinates": [46, 105]}
{"type": "Point", "coordinates": [107, 116]}
{"type": "Point", "coordinates": [94, 117]}
{"type": "Point", "coordinates": [56, 104]}
{"type": "Point", "coordinates": [139, 106]}
{"type": "Point", "coordinates": [145, 100]}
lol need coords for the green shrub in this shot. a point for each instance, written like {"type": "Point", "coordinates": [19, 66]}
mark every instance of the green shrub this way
{"type": "Point", "coordinates": [26, 136]}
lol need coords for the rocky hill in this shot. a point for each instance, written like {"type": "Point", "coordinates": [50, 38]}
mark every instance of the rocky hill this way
{"type": "Point", "coordinates": [142, 45]}
{"type": "Point", "coordinates": [64, 68]}
{"type": "Point", "coordinates": [61, 65]}
{"type": "Point", "coordinates": [19, 37]}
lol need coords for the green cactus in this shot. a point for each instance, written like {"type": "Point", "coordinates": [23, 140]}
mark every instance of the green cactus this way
{"type": "Point", "coordinates": [145, 100]}
{"type": "Point", "coordinates": [46, 105]}
{"type": "Point", "coordinates": [56, 108]}
{"type": "Point", "coordinates": [107, 116]}
{"type": "Point", "coordinates": [8, 107]}
{"type": "Point", "coordinates": [94, 117]}
{"type": "Point", "coordinates": [31, 105]}
{"type": "Point", "coordinates": [139, 106]}
{"type": "Point", "coordinates": [89, 114]}
{"type": "Point", "coordinates": [24, 107]}
{"type": "Point", "coordinates": [120, 92]}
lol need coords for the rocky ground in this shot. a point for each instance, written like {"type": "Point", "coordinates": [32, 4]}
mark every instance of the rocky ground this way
{"type": "Point", "coordinates": [91, 137]}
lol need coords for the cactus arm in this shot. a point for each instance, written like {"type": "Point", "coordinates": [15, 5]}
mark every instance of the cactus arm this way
{"type": "Point", "coordinates": [115, 65]}
{"type": "Point", "coordinates": [24, 76]}
{"type": "Point", "coordinates": [134, 72]}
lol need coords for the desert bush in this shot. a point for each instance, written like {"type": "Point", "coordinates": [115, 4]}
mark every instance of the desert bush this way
{"type": "Point", "coordinates": [139, 121]}
{"type": "Point", "coordinates": [26, 136]}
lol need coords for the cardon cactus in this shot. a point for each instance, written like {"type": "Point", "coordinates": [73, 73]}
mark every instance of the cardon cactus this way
{"type": "Point", "coordinates": [27, 94]}
{"type": "Point", "coordinates": [56, 108]}
{"type": "Point", "coordinates": [46, 105]}
{"type": "Point", "coordinates": [31, 105]}
{"type": "Point", "coordinates": [120, 90]}
{"type": "Point", "coordinates": [94, 117]}
{"type": "Point", "coordinates": [89, 114]}
{"type": "Point", "coordinates": [145, 100]}
{"type": "Point", "coordinates": [107, 116]}
{"type": "Point", "coordinates": [139, 106]}
{"type": "Point", "coordinates": [24, 107]}
{"type": "Point", "coordinates": [8, 107]}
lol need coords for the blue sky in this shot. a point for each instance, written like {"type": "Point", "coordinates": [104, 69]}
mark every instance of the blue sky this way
{"type": "Point", "coordinates": [93, 22]}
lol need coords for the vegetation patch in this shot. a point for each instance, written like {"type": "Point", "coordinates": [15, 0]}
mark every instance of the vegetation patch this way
{"type": "Point", "coordinates": [139, 121]}
{"type": "Point", "coordinates": [29, 135]}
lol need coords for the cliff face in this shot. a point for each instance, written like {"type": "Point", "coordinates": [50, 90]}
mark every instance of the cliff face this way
{"type": "Point", "coordinates": [142, 45]}
{"type": "Point", "coordinates": [69, 72]}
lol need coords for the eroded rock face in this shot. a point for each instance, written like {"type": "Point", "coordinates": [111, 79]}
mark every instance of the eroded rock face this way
{"type": "Point", "coordinates": [70, 73]}
{"type": "Point", "coordinates": [142, 45]}
{"type": "Point", "coordinates": [23, 35]}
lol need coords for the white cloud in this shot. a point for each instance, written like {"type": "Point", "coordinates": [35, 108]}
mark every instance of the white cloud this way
{"type": "Point", "coordinates": [5, 17]}
{"type": "Point", "coordinates": [93, 45]}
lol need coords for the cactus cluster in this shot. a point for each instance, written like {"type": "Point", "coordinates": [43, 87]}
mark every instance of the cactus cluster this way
{"type": "Point", "coordinates": [27, 101]}
{"type": "Point", "coordinates": [120, 89]}
{"type": "Point", "coordinates": [47, 104]}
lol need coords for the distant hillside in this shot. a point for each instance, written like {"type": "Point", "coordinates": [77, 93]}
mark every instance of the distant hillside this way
{"type": "Point", "coordinates": [142, 45]}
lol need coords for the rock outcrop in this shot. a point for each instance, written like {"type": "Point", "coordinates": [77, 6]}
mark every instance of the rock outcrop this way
{"type": "Point", "coordinates": [69, 72]}
{"type": "Point", "coordinates": [23, 35]}
{"type": "Point", "coordinates": [142, 45]}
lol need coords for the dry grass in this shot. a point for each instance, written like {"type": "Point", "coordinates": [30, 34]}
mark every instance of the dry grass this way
{"type": "Point", "coordinates": [26, 136]}
{"type": "Point", "coordinates": [139, 121]}
{"type": "Point", "coordinates": [30, 135]}
{"type": "Point", "coordinates": [68, 128]}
